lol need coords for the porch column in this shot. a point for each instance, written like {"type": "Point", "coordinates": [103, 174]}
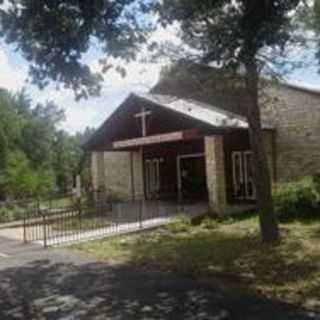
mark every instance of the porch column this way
{"type": "Point", "coordinates": [215, 168]}
{"type": "Point", "coordinates": [97, 170]}
{"type": "Point", "coordinates": [137, 175]}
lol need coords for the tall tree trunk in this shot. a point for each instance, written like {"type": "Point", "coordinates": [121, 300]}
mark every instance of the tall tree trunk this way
{"type": "Point", "coordinates": [268, 221]}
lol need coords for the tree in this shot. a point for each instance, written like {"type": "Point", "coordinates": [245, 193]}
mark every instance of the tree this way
{"type": "Point", "coordinates": [20, 181]}
{"type": "Point", "coordinates": [69, 158]}
{"type": "Point", "coordinates": [10, 126]}
{"type": "Point", "coordinates": [240, 35]}
{"type": "Point", "coordinates": [38, 132]}
{"type": "Point", "coordinates": [54, 35]}
{"type": "Point", "coordinates": [309, 18]}
{"type": "Point", "coordinates": [35, 156]}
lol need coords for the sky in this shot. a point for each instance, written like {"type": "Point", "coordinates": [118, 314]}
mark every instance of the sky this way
{"type": "Point", "coordinates": [140, 78]}
{"type": "Point", "coordinates": [79, 115]}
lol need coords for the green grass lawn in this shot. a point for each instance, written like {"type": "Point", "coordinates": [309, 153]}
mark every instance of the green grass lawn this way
{"type": "Point", "coordinates": [230, 252]}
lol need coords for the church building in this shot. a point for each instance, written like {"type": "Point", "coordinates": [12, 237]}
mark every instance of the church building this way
{"type": "Point", "coordinates": [187, 140]}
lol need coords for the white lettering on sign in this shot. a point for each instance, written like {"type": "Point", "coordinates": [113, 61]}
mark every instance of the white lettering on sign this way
{"type": "Point", "coordinates": [168, 137]}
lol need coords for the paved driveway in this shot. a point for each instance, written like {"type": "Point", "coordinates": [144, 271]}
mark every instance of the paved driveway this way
{"type": "Point", "coordinates": [61, 284]}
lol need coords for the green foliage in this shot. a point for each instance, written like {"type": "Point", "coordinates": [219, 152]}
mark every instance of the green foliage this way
{"type": "Point", "coordinates": [181, 224]}
{"type": "Point", "coordinates": [231, 32]}
{"type": "Point", "coordinates": [13, 211]}
{"type": "Point", "coordinates": [4, 215]}
{"type": "Point", "coordinates": [316, 183]}
{"type": "Point", "coordinates": [20, 181]}
{"type": "Point", "coordinates": [232, 254]}
{"type": "Point", "coordinates": [36, 157]}
{"type": "Point", "coordinates": [297, 200]}
{"type": "Point", "coordinates": [10, 126]}
{"type": "Point", "coordinates": [209, 223]}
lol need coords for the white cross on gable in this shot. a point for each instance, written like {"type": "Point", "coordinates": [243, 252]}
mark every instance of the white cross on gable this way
{"type": "Point", "coordinates": [143, 115]}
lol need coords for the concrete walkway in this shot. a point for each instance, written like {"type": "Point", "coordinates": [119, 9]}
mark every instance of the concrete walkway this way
{"type": "Point", "coordinates": [121, 228]}
{"type": "Point", "coordinates": [63, 284]}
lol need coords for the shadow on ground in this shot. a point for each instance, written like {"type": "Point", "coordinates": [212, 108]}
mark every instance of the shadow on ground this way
{"type": "Point", "coordinates": [46, 290]}
{"type": "Point", "coordinates": [233, 254]}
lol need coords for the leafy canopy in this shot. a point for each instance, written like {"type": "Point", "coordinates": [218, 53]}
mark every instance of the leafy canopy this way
{"type": "Point", "coordinates": [19, 180]}
{"type": "Point", "coordinates": [36, 157]}
{"type": "Point", "coordinates": [230, 32]}
{"type": "Point", "coordinates": [54, 35]}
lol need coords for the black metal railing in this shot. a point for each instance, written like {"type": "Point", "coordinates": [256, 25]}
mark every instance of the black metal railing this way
{"type": "Point", "coordinates": [53, 226]}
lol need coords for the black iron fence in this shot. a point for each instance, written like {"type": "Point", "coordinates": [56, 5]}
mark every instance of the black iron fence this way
{"type": "Point", "coordinates": [53, 226]}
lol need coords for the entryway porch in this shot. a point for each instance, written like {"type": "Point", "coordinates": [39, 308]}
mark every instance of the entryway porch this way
{"type": "Point", "coordinates": [216, 169]}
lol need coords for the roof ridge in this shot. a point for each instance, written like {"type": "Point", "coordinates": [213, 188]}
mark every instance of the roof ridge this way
{"type": "Point", "coordinates": [191, 105]}
{"type": "Point", "coordinates": [200, 103]}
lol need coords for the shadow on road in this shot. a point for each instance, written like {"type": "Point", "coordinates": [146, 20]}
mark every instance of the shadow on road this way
{"type": "Point", "coordinates": [45, 290]}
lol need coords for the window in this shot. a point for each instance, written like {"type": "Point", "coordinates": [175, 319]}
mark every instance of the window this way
{"type": "Point", "coordinates": [242, 175]}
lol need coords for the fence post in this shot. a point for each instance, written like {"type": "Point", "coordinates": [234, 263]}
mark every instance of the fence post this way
{"type": "Point", "coordinates": [118, 213]}
{"type": "Point", "coordinates": [45, 244]}
{"type": "Point", "coordinates": [140, 214]}
{"type": "Point", "coordinates": [80, 215]}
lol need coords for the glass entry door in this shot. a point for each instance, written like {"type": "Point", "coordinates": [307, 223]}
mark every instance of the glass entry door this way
{"type": "Point", "coordinates": [191, 177]}
{"type": "Point", "coordinates": [242, 175]}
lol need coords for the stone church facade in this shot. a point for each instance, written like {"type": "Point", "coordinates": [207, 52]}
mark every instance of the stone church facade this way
{"type": "Point", "coordinates": [187, 140]}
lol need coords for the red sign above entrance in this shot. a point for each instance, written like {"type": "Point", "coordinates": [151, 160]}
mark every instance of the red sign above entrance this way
{"type": "Point", "coordinates": [160, 138]}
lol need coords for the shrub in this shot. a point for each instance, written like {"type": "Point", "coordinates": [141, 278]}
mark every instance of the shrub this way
{"type": "Point", "coordinates": [4, 214]}
{"type": "Point", "coordinates": [11, 212]}
{"type": "Point", "coordinates": [18, 213]}
{"type": "Point", "coordinates": [209, 223]}
{"type": "Point", "coordinates": [316, 183]}
{"type": "Point", "coordinates": [19, 180]}
{"type": "Point", "coordinates": [181, 224]}
{"type": "Point", "coordinates": [296, 200]}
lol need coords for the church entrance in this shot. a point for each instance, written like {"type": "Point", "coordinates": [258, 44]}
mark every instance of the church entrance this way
{"type": "Point", "coordinates": [175, 171]}
{"type": "Point", "coordinates": [191, 177]}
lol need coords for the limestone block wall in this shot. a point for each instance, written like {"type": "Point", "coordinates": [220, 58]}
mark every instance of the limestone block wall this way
{"type": "Point", "coordinates": [216, 181]}
{"type": "Point", "coordinates": [97, 170]}
{"type": "Point", "coordinates": [296, 117]}
{"type": "Point", "coordinates": [138, 180]}
{"type": "Point", "coordinates": [118, 174]}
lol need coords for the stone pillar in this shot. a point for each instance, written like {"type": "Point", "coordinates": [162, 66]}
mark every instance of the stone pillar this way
{"type": "Point", "coordinates": [215, 168]}
{"type": "Point", "coordinates": [97, 170]}
{"type": "Point", "coordinates": [117, 175]}
{"type": "Point", "coordinates": [138, 179]}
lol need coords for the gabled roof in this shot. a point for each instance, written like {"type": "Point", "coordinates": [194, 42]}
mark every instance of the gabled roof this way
{"type": "Point", "coordinates": [208, 114]}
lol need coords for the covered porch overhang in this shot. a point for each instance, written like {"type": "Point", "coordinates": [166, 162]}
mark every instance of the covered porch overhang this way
{"type": "Point", "coordinates": [184, 135]}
